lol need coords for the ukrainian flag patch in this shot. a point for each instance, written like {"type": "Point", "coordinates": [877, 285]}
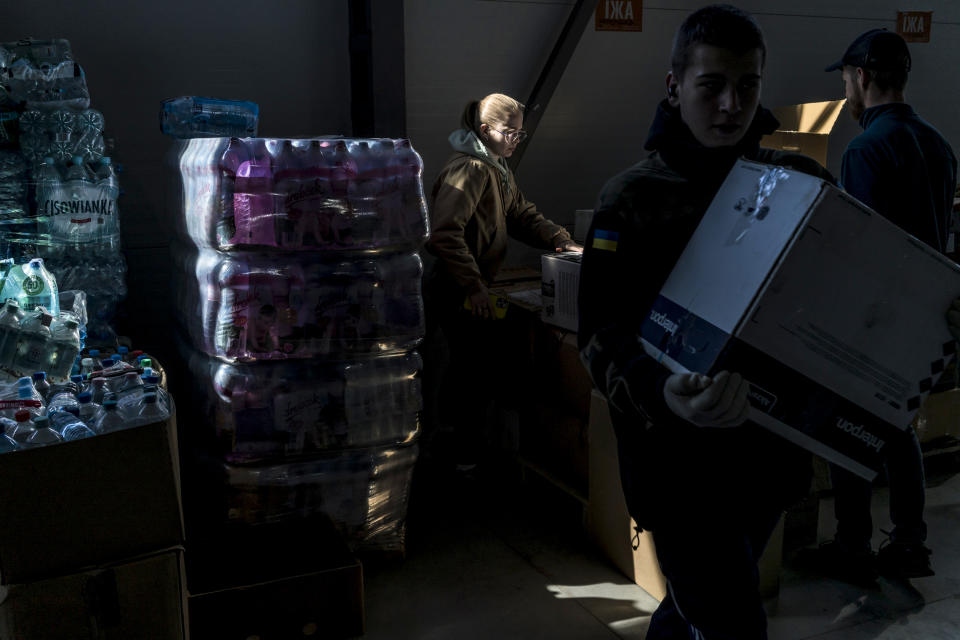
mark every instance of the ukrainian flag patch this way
{"type": "Point", "coordinates": [605, 240]}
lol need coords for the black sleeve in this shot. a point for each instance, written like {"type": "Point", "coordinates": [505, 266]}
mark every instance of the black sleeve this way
{"type": "Point", "coordinates": [617, 289]}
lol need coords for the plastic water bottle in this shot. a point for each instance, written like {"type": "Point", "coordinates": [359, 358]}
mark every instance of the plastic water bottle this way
{"type": "Point", "coordinates": [69, 425]}
{"type": "Point", "coordinates": [89, 410]}
{"type": "Point", "coordinates": [110, 420]}
{"type": "Point", "coordinates": [94, 355]}
{"type": "Point", "coordinates": [130, 380]}
{"type": "Point", "coordinates": [149, 411]}
{"type": "Point", "coordinates": [43, 434]}
{"type": "Point", "coordinates": [40, 384]}
{"type": "Point", "coordinates": [7, 443]}
{"type": "Point", "coordinates": [107, 177]}
{"type": "Point", "coordinates": [196, 117]}
{"type": "Point", "coordinates": [34, 342]}
{"type": "Point", "coordinates": [37, 287]}
{"type": "Point", "coordinates": [87, 367]}
{"type": "Point", "coordinates": [49, 190]}
{"type": "Point", "coordinates": [62, 396]}
{"type": "Point", "coordinates": [77, 170]}
{"type": "Point", "coordinates": [66, 346]}
{"type": "Point", "coordinates": [10, 318]}
{"type": "Point", "coordinates": [23, 428]}
{"type": "Point", "coordinates": [97, 388]}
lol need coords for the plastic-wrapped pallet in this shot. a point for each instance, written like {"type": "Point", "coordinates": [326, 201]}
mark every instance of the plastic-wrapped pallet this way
{"type": "Point", "coordinates": [330, 194]}
{"type": "Point", "coordinates": [251, 306]}
{"type": "Point", "coordinates": [364, 492]}
{"type": "Point", "coordinates": [269, 411]}
{"type": "Point", "coordinates": [298, 287]}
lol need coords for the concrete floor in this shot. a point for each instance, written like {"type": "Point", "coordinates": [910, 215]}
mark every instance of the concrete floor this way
{"type": "Point", "coordinates": [510, 559]}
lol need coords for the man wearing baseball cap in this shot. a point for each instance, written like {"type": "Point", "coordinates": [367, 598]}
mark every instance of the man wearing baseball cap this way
{"type": "Point", "coordinates": [902, 168]}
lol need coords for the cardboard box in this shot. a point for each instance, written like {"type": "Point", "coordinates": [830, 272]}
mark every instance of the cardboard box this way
{"type": "Point", "coordinates": [805, 128]}
{"type": "Point", "coordinates": [560, 285]}
{"type": "Point", "coordinates": [612, 528]}
{"type": "Point", "coordinates": [280, 580]}
{"type": "Point", "coordinates": [834, 315]}
{"type": "Point", "coordinates": [86, 503]}
{"type": "Point", "coordinates": [143, 597]}
{"type": "Point", "coordinates": [939, 417]}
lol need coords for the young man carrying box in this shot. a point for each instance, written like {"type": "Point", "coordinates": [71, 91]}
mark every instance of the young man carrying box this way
{"type": "Point", "coordinates": [709, 485]}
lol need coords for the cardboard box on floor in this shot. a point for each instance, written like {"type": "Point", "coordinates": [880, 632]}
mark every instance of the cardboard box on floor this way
{"type": "Point", "coordinates": [805, 128]}
{"type": "Point", "coordinates": [611, 526]}
{"type": "Point", "coordinates": [142, 597]}
{"type": "Point", "coordinates": [939, 417]}
{"type": "Point", "coordinates": [279, 580]}
{"type": "Point", "coordinates": [832, 313]}
{"type": "Point", "coordinates": [73, 505]}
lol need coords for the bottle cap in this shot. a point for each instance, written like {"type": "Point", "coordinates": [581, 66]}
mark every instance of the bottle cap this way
{"type": "Point", "coordinates": [87, 362]}
{"type": "Point", "coordinates": [110, 404]}
{"type": "Point", "coordinates": [76, 379]}
{"type": "Point", "coordinates": [40, 375]}
{"type": "Point", "coordinates": [24, 381]}
{"type": "Point", "coordinates": [24, 392]}
{"type": "Point", "coordinates": [21, 416]}
{"type": "Point", "coordinates": [84, 397]}
{"type": "Point", "coordinates": [145, 362]}
{"type": "Point", "coordinates": [94, 353]}
{"type": "Point", "coordinates": [41, 421]}
{"type": "Point", "coordinates": [122, 350]}
{"type": "Point", "coordinates": [77, 159]}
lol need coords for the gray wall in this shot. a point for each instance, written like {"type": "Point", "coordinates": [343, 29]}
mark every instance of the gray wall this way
{"type": "Point", "coordinates": [289, 56]}
{"type": "Point", "coordinates": [597, 121]}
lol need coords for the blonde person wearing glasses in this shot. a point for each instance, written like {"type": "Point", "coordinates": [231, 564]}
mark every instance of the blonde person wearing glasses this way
{"type": "Point", "coordinates": [475, 205]}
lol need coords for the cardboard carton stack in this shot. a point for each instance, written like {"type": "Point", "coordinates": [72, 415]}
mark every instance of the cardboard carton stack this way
{"type": "Point", "coordinates": [92, 545]}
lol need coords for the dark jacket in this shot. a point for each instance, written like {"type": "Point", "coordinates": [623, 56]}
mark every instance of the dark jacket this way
{"type": "Point", "coordinates": [902, 168]}
{"type": "Point", "coordinates": [668, 466]}
{"type": "Point", "coordinates": [474, 206]}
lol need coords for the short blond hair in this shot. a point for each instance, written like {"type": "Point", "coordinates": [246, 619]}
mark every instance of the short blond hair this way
{"type": "Point", "coordinates": [496, 109]}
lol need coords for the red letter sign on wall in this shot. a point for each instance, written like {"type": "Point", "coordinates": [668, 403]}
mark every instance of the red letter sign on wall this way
{"type": "Point", "coordinates": [619, 15]}
{"type": "Point", "coordinates": [914, 26]}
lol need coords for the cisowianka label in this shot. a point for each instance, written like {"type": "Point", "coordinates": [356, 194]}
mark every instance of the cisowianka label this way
{"type": "Point", "coordinates": [85, 208]}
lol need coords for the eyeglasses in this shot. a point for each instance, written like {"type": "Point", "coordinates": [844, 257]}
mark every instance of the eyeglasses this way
{"type": "Point", "coordinates": [513, 136]}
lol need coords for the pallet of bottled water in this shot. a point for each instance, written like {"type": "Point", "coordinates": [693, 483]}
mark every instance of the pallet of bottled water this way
{"type": "Point", "coordinates": [116, 393]}
{"type": "Point", "coordinates": [253, 306]}
{"type": "Point", "coordinates": [363, 491]}
{"type": "Point", "coordinates": [289, 409]}
{"type": "Point", "coordinates": [328, 194]}
{"type": "Point", "coordinates": [43, 74]}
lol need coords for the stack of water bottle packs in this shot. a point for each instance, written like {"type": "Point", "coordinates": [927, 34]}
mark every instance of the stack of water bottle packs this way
{"type": "Point", "coordinates": [58, 189]}
{"type": "Point", "coordinates": [298, 289]}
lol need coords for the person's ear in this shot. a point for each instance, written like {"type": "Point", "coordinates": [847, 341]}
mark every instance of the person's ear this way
{"type": "Point", "coordinates": [673, 95]}
{"type": "Point", "coordinates": [863, 78]}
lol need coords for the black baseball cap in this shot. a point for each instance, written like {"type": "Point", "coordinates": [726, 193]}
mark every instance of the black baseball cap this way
{"type": "Point", "coordinates": [877, 49]}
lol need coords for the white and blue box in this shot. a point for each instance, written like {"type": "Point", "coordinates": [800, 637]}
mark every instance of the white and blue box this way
{"type": "Point", "coordinates": [559, 288]}
{"type": "Point", "coordinates": [834, 315]}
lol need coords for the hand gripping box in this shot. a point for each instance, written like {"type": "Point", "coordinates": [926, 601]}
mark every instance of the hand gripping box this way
{"type": "Point", "coordinates": [833, 314]}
